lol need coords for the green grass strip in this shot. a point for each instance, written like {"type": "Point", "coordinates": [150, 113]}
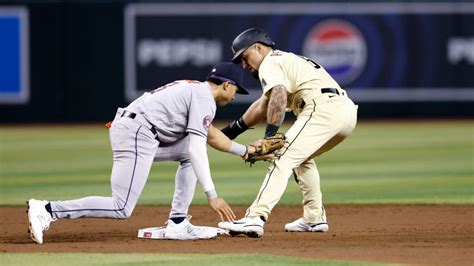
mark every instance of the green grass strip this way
{"type": "Point", "coordinates": [165, 259]}
{"type": "Point", "coordinates": [384, 162]}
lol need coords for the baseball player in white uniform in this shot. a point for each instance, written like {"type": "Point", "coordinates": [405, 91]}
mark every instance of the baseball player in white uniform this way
{"type": "Point", "coordinates": [172, 122]}
{"type": "Point", "coordinates": [325, 117]}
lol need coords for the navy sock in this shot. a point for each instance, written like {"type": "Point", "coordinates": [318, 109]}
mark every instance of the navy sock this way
{"type": "Point", "coordinates": [48, 208]}
{"type": "Point", "coordinates": [177, 220]}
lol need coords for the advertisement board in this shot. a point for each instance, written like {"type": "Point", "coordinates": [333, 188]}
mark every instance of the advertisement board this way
{"type": "Point", "coordinates": [378, 52]}
{"type": "Point", "coordinates": [14, 57]}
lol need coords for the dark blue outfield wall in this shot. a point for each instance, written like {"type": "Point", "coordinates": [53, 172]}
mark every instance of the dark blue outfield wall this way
{"type": "Point", "coordinates": [63, 61]}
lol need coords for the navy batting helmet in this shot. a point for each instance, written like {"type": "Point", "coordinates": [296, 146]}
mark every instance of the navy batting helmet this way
{"type": "Point", "coordinates": [246, 39]}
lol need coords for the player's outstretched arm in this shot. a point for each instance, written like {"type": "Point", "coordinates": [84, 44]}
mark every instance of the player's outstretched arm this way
{"type": "Point", "coordinates": [200, 163]}
{"type": "Point", "coordinates": [254, 114]}
{"type": "Point", "coordinates": [220, 142]}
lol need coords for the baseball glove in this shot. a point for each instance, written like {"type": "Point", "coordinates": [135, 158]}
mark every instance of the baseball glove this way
{"type": "Point", "coordinates": [265, 149]}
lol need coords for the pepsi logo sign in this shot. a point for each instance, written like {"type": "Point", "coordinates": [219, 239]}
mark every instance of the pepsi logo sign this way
{"type": "Point", "coordinates": [339, 47]}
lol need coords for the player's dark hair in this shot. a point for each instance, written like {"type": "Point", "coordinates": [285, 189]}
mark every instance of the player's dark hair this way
{"type": "Point", "coordinates": [215, 80]}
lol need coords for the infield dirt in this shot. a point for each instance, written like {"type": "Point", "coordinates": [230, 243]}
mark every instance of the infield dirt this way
{"type": "Point", "coordinates": [411, 234]}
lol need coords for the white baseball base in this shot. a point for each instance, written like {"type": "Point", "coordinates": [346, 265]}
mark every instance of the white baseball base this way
{"type": "Point", "coordinates": [152, 233]}
{"type": "Point", "coordinates": [159, 232]}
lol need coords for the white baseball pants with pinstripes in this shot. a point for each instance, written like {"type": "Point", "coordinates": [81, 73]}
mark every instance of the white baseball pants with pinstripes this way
{"type": "Point", "coordinates": [322, 124]}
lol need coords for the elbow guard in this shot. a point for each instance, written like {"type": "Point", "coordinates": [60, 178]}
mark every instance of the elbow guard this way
{"type": "Point", "coordinates": [235, 128]}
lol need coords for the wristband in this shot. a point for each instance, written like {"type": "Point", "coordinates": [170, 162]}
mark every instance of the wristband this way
{"type": "Point", "coordinates": [271, 130]}
{"type": "Point", "coordinates": [235, 128]}
{"type": "Point", "coordinates": [241, 124]}
{"type": "Point", "coordinates": [211, 194]}
{"type": "Point", "coordinates": [237, 149]}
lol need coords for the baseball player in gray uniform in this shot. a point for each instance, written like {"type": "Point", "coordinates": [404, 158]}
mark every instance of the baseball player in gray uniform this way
{"type": "Point", "coordinates": [172, 122]}
{"type": "Point", "coordinates": [325, 117]}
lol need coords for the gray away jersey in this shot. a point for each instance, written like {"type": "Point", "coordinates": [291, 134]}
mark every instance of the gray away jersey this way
{"type": "Point", "coordinates": [176, 108]}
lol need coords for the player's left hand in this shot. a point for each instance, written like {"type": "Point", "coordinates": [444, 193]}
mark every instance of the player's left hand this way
{"type": "Point", "coordinates": [220, 206]}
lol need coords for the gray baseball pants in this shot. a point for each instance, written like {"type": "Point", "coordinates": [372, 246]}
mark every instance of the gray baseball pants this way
{"type": "Point", "coordinates": [134, 150]}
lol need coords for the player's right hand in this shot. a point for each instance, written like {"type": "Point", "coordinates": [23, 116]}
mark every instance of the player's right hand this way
{"type": "Point", "coordinates": [222, 208]}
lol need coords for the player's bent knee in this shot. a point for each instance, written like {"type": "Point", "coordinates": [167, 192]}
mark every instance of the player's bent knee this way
{"type": "Point", "coordinates": [124, 213]}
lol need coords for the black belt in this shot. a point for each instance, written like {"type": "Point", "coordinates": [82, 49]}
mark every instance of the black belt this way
{"type": "Point", "coordinates": [330, 90]}
{"type": "Point", "coordinates": [323, 90]}
{"type": "Point", "coordinates": [133, 115]}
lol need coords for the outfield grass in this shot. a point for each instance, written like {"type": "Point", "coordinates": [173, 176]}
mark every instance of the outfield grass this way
{"type": "Point", "coordinates": [167, 259]}
{"type": "Point", "coordinates": [414, 162]}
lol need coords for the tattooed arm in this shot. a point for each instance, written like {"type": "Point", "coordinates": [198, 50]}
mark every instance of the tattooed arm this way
{"type": "Point", "coordinates": [276, 110]}
{"type": "Point", "coordinates": [256, 112]}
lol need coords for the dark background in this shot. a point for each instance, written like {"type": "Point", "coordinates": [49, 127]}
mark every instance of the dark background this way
{"type": "Point", "coordinates": [77, 69]}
